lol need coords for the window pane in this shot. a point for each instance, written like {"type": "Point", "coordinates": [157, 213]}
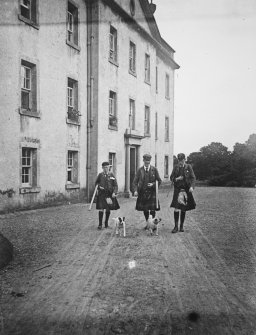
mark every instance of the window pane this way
{"type": "Point", "coordinates": [25, 99]}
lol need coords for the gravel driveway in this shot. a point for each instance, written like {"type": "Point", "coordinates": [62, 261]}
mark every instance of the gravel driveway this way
{"type": "Point", "coordinates": [69, 278]}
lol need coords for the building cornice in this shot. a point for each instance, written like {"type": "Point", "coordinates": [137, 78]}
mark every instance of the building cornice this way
{"type": "Point", "coordinates": [161, 46]}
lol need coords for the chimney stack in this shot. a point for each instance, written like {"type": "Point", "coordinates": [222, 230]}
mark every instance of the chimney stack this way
{"type": "Point", "coordinates": [152, 7]}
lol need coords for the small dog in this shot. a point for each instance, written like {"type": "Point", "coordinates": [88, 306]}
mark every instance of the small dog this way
{"type": "Point", "coordinates": [153, 224]}
{"type": "Point", "coordinates": [120, 225]}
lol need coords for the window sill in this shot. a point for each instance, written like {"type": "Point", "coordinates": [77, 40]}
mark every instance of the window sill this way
{"type": "Point", "coordinates": [72, 186]}
{"type": "Point", "coordinates": [28, 189]}
{"type": "Point", "coordinates": [29, 113]}
{"type": "Point", "coordinates": [112, 127]}
{"type": "Point", "coordinates": [147, 82]}
{"type": "Point", "coordinates": [114, 62]}
{"type": "Point", "coordinates": [27, 21]}
{"type": "Point", "coordinates": [167, 140]}
{"type": "Point", "coordinates": [147, 135]}
{"type": "Point", "coordinates": [167, 98]}
{"type": "Point", "coordinates": [76, 123]}
{"type": "Point", "coordinates": [73, 45]}
{"type": "Point", "coordinates": [133, 73]}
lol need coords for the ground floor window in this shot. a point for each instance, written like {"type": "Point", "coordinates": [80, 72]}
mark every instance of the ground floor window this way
{"type": "Point", "coordinates": [29, 167]}
{"type": "Point", "coordinates": [166, 166]}
{"type": "Point", "coordinates": [72, 167]}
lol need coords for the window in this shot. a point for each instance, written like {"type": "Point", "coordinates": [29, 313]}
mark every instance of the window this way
{"type": "Point", "coordinates": [147, 68]}
{"type": "Point", "coordinates": [113, 44]}
{"type": "Point", "coordinates": [167, 86]}
{"type": "Point", "coordinates": [112, 109]}
{"type": "Point", "coordinates": [156, 126]}
{"type": "Point", "coordinates": [166, 133]}
{"type": "Point", "coordinates": [72, 24]}
{"type": "Point", "coordinates": [147, 121]}
{"type": "Point", "coordinates": [156, 79]}
{"type": "Point", "coordinates": [28, 11]}
{"type": "Point", "coordinates": [132, 58]}
{"type": "Point", "coordinates": [72, 97]}
{"type": "Point", "coordinates": [28, 89]}
{"type": "Point", "coordinates": [166, 166]}
{"type": "Point", "coordinates": [112, 162]}
{"type": "Point", "coordinates": [29, 167]}
{"type": "Point", "coordinates": [72, 167]}
{"type": "Point", "coordinates": [132, 114]}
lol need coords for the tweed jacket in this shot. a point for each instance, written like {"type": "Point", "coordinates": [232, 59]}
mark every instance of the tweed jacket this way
{"type": "Point", "coordinates": [108, 182]}
{"type": "Point", "coordinates": [138, 182]}
{"type": "Point", "coordinates": [190, 177]}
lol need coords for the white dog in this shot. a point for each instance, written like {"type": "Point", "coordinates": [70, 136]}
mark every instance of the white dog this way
{"type": "Point", "coordinates": [120, 225]}
{"type": "Point", "coordinates": [153, 224]}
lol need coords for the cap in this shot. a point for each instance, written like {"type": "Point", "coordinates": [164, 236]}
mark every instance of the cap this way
{"type": "Point", "coordinates": [181, 156]}
{"type": "Point", "coordinates": [105, 163]}
{"type": "Point", "coordinates": [147, 157]}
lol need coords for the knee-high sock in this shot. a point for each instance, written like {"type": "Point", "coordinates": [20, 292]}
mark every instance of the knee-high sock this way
{"type": "Point", "coordinates": [153, 213]}
{"type": "Point", "coordinates": [146, 214]}
{"type": "Point", "coordinates": [182, 218]}
{"type": "Point", "coordinates": [100, 218]}
{"type": "Point", "coordinates": [176, 218]}
{"type": "Point", "coordinates": [107, 217]}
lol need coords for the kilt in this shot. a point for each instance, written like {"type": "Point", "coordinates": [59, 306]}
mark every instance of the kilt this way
{"type": "Point", "coordinates": [191, 204]}
{"type": "Point", "coordinates": [147, 201]}
{"type": "Point", "coordinates": [101, 202]}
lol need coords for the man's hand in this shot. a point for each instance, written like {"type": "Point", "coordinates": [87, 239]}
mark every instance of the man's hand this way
{"type": "Point", "coordinates": [102, 188]}
{"type": "Point", "coordinates": [191, 189]}
{"type": "Point", "coordinates": [135, 193]}
{"type": "Point", "coordinates": [113, 195]}
{"type": "Point", "coordinates": [179, 178]}
{"type": "Point", "coordinates": [150, 184]}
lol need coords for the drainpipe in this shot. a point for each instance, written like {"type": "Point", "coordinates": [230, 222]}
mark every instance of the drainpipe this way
{"type": "Point", "coordinates": [89, 92]}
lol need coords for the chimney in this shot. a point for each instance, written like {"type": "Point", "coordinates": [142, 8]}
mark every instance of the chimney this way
{"type": "Point", "coordinates": [152, 7]}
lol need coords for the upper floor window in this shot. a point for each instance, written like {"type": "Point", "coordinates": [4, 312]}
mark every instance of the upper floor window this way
{"type": "Point", "coordinates": [72, 24]}
{"type": "Point", "coordinates": [113, 44]}
{"type": "Point", "coordinates": [112, 162]}
{"type": "Point", "coordinates": [28, 89]}
{"type": "Point", "coordinates": [132, 114]}
{"type": "Point", "coordinates": [28, 11]}
{"type": "Point", "coordinates": [156, 126]}
{"type": "Point", "coordinates": [156, 79]}
{"type": "Point", "coordinates": [167, 86]}
{"type": "Point", "coordinates": [72, 101]}
{"type": "Point", "coordinates": [166, 133]}
{"type": "Point", "coordinates": [147, 68]}
{"type": "Point", "coordinates": [132, 58]}
{"type": "Point", "coordinates": [147, 121]}
{"type": "Point", "coordinates": [112, 109]}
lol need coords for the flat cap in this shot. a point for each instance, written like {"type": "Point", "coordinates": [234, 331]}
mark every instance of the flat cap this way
{"type": "Point", "coordinates": [147, 157]}
{"type": "Point", "coordinates": [105, 163]}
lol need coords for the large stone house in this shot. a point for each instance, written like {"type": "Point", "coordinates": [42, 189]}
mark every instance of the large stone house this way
{"type": "Point", "coordinates": [82, 81]}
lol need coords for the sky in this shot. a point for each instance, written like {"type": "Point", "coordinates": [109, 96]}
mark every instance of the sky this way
{"type": "Point", "coordinates": [215, 87]}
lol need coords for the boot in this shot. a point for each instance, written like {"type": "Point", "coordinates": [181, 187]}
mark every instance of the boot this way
{"type": "Point", "coordinates": [182, 219]}
{"type": "Point", "coordinates": [176, 222]}
{"type": "Point", "coordinates": [106, 219]}
{"type": "Point", "coordinates": [100, 220]}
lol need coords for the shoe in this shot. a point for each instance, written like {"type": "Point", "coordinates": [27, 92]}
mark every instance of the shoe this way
{"type": "Point", "coordinates": [182, 230]}
{"type": "Point", "coordinates": [107, 227]}
{"type": "Point", "coordinates": [175, 230]}
{"type": "Point", "coordinates": [99, 227]}
{"type": "Point", "coordinates": [146, 227]}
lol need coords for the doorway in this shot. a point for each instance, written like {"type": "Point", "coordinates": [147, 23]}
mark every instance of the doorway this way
{"type": "Point", "coordinates": [133, 166]}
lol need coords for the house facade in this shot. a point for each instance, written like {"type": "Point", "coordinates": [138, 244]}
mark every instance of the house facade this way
{"type": "Point", "coordinates": [83, 82]}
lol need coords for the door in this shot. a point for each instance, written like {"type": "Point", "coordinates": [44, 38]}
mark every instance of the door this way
{"type": "Point", "coordinates": [133, 165]}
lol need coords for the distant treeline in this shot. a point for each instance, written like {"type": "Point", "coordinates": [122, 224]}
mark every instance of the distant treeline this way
{"type": "Point", "coordinates": [218, 166]}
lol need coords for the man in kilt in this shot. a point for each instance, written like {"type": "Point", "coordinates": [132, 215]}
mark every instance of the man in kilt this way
{"type": "Point", "coordinates": [144, 186]}
{"type": "Point", "coordinates": [107, 190]}
{"type": "Point", "coordinates": [183, 178]}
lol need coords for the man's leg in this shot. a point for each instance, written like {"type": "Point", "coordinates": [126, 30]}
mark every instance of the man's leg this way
{"type": "Point", "coordinates": [146, 214]}
{"type": "Point", "coordinates": [153, 213]}
{"type": "Point", "coordinates": [106, 218]}
{"type": "Point", "coordinates": [176, 220]}
{"type": "Point", "coordinates": [182, 219]}
{"type": "Point", "coordinates": [100, 219]}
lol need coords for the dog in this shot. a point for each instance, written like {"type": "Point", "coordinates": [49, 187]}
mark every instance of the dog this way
{"type": "Point", "coordinates": [153, 224]}
{"type": "Point", "coordinates": [120, 225]}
